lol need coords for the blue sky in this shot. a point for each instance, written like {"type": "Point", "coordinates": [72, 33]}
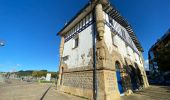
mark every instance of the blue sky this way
{"type": "Point", "coordinates": [29, 28]}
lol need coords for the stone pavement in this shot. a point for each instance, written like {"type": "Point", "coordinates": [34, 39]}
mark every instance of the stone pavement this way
{"type": "Point", "coordinates": [151, 93]}
{"type": "Point", "coordinates": [17, 90]}
{"type": "Point", "coordinates": [53, 94]}
{"type": "Point", "coordinates": [22, 92]}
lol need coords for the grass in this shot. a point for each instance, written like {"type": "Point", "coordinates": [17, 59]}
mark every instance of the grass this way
{"type": "Point", "coordinates": [44, 81]}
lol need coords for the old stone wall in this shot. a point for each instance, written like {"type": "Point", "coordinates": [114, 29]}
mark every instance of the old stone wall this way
{"type": "Point", "coordinates": [81, 84]}
{"type": "Point", "coordinates": [82, 80]}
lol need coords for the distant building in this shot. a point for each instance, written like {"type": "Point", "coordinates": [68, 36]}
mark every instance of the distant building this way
{"type": "Point", "coordinates": [48, 77]}
{"type": "Point", "coordinates": [162, 43]}
{"type": "Point", "coordinates": [119, 61]}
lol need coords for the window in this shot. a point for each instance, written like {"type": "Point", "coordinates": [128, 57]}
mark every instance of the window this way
{"type": "Point", "coordinates": [110, 20]}
{"type": "Point", "coordinates": [117, 66]}
{"type": "Point", "coordinates": [73, 29]}
{"type": "Point", "coordinates": [65, 58]}
{"type": "Point", "coordinates": [84, 21]}
{"type": "Point", "coordinates": [114, 39]}
{"type": "Point", "coordinates": [127, 50]}
{"type": "Point", "coordinates": [87, 19]}
{"type": "Point", "coordinates": [76, 42]}
{"type": "Point", "coordinates": [140, 60]}
{"type": "Point", "coordinates": [130, 41]}
{"type": "Point", "coordinates": [123, 33]}
{"type": "Point", "coordinates": [81, 24]}
{"type": "Point", "coordinates": [76, 28]}
{"type": "Point", "coordinates": [90, 16]}
{"type": "Point", "coordinates": [71, 32]}
{"type": "Point", "coordinates": [135, 55]}
{"type": "Point", "coordinates": [114, 23]}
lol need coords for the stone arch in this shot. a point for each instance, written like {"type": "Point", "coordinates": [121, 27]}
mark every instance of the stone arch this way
{"type": "Point", "coordinates": [128, 62]}
{"type": "Point", "coordinates": [117, 65]}
{"type": "Point", "coordinates": [133, 77]}
{"type": "Point", "coordinates": [139, 74]}
{"type": "Point", "coordinates": [116, 57]}
{"type": "Point", "coordinates": [119, 76]}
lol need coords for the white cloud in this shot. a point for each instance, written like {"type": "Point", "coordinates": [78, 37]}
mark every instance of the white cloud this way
{"type": "Point", "coordinates": [18, 65]}
{"type": "Point", "coordinates": [146, 65]}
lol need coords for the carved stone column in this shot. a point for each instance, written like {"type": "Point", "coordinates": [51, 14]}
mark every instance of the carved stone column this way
{"type": "Point", "coordinates": [100, 21]}
{"type": "Point", "coordinates": [100, 30]}
{"type": "Point", "coordinates": [145, 79]}
{"type": "Point", "coordinates": [107, 82]}
{"type": "Point", "coordinates": [60, 66]}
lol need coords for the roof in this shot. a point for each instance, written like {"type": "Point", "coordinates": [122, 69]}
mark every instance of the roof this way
{"type": "Point", "coordinates": [161, 39]}
{"type": "Point", "coordinates": [86, 9]}
{"type": "Point", "coordinates": [113, 12]}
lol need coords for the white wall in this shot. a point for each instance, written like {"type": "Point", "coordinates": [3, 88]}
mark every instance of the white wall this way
{"type": "Point", "coordinates": [122, 48]}
{"type": "Point", "coordinates": [85, 43]}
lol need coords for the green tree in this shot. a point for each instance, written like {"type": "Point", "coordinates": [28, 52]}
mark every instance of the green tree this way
{"type": "Point", "coordinates": [35, 74]}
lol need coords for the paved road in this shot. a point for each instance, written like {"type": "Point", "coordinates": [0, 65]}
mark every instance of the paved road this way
{"type": "Point", "coordinates": [17, 90]}
{"type": "Point", "coordinates": [151, 93]}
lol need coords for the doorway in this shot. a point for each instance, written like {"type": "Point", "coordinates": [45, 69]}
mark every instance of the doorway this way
{"type": "Point", "coordinates": [133, 76]}
{"type": "Point", "coordinates": [118, 75]}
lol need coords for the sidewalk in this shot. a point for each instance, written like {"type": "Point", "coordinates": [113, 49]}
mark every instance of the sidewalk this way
{"type": "Point", "coordinates": [151, 93]}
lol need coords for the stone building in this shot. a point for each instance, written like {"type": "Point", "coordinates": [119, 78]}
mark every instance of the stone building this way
{"type": "Point", "coordinates": [118, 54]}
{"type": "Point", "coordinates": [162, 46]}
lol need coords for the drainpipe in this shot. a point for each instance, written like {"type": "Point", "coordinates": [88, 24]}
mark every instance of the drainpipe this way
{"type": "Point", "coordinates": [98, 28]}
{"type": "Point", "coordinates": [95, 92]}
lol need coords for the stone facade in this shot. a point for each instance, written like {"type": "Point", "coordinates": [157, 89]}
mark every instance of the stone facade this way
{"type": "Point", "coordinates": [77, 79]}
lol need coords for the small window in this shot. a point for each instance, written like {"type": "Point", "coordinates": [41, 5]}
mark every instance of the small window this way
{"type": "Point", "coordinates": [81, 24]}
{"type": "Point", "coordinates": [123, 33]}
{"type": "Point", "coordinates": [91, 16]}
{"type": "Point", "coordinates": [127, 50]}
{"type": "Point", "coordinates": [71, 32]}
{"type": "Point", "coordinates": [73, 29]}
{"type": "Point", "coordinates": [140, 60]}
{"type": "Point", "coordinates": [65, 58]}
{"type": "Point", "coordinates": [76, 42]}
{"type": "Point", "coordinates": [114, 23]}
{"type": "Point", "coordinates": [110, 20]}
{"type": "Point", "coordinates": [78, 26]}
{"type": "Point", "coordinates": [87, 19]}
{"type": "Point", "coordinates": [113, 39]}
{"type": "Point", "coordinates": [84, 21]}
{"type": "Point", "coordinates": [130, 41]}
